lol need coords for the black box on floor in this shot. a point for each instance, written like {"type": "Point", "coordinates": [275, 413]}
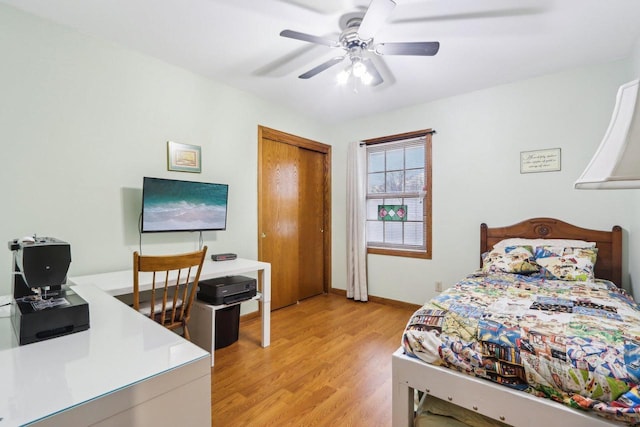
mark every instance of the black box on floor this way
{"type": "Point", "coordinates": [227, 326]}
{"type": "Point", "coordinates": [226, 290]}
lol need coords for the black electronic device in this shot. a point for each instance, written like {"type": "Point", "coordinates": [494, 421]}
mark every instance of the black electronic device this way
{"type": "Point", "coordinates": [174, 205]}
{"type": "Point", "coordinates": [226, 290]}
{"type": "Point", "coordinates": [43, 306]}
{"type": "Point", "coordinates": [227, 326]}
{"type": "Point", "coordinates": [224, 257]}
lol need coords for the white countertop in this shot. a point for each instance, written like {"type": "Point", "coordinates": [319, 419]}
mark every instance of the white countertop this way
{"type": "Point", "coordinates": [121, 348]}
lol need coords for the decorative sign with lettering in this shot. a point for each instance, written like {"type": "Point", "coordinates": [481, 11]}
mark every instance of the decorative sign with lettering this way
{"type": "Point", "coordinates": [540, 160]}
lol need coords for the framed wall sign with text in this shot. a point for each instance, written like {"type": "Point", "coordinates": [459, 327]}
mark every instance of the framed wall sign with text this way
{"type": "Point", "coordinates": [540, 160]}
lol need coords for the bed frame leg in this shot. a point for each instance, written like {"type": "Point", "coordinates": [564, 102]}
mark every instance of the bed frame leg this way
{"type": "Point", "coordinates": [402, 405]}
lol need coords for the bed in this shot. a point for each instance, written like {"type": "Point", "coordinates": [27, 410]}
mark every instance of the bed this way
{"type": "Point", "coordinates": [486, 394]}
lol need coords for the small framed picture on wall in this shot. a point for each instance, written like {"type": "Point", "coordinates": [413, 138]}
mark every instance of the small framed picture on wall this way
{"type": "Point", "coordinates": [547, 160]}
{"type": "Point", "coordinates": [183, 157]}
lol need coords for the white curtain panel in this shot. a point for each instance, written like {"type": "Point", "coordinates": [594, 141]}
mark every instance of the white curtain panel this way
{"type": "Point", "coordinates": [356, 215]}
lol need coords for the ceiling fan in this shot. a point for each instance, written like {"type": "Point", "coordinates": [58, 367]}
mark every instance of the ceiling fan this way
{"type": "Point", "coordinates": [357, 41]}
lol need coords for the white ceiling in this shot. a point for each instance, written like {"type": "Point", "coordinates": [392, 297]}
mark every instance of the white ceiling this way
{"type": "Point", "coordinates": [483, 43]}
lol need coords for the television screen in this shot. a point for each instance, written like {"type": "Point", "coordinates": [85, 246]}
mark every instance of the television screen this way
{"type": "Point", "coordinates": [172, 205]}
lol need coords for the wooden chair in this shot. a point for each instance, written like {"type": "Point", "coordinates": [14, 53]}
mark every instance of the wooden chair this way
{"type": "Point", "coordinates": [170, 292]}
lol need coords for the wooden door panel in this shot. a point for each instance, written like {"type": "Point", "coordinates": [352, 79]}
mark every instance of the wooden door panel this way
{"type": "Point", "coordinates": [279, 220]}
{"type": "Point", "coordinates": [311, 220]}
{"type": "Point", "coordinates": [294, 208]}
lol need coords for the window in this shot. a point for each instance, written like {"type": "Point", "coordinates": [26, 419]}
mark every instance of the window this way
{"type": "Point", "coordinates": [399, 195]}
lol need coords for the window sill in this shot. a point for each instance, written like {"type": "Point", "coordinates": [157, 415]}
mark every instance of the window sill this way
{"type": "Point", "coordinates": [399, 252]}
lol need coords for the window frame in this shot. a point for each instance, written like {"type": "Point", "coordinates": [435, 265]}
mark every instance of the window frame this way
{"type": "Point", "coordinates": [427, 207]}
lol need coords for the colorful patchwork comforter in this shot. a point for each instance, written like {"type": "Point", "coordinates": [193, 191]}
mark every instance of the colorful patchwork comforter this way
{"type": "Point", "coordinates": [574, 342]}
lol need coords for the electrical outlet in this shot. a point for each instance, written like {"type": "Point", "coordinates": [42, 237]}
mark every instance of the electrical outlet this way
{"type": "Point", "coordinates": [438, 286]}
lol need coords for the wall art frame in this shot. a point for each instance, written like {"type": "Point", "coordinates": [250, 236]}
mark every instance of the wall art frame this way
{"type": "Point", "coordinates": [183, 157]}
{"type": "Point", "coordinates": [547, 160]}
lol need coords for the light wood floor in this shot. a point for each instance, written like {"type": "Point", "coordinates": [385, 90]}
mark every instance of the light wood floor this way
{"type": "Point", "coordinates": [329, 364]}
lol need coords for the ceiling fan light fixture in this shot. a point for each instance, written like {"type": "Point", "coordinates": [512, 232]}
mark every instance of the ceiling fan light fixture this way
{"type": "Point", "coordinates": [366, 78]}
{"type": "Point", "coordinates": [343, 76]}
{"type": "Point", "coordinates": [359, 69]}
{"type": "Point", "coordinates": [357, 42]}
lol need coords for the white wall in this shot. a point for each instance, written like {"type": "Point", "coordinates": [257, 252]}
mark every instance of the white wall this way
{"type": "Point", "coordinates": [634, 195]}
{"type": "Point", "coordinates": [83, 121]}
{"type": "Point", "coordinates": [476, 175]}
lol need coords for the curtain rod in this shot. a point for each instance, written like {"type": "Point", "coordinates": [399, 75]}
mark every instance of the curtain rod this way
{"type": "Point", "coordinates": [377, 141]}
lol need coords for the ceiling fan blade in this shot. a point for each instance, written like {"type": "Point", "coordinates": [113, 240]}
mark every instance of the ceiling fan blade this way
{"type": "Point", "coordinates": [320, 68]}
{"type": "Point", "coordinates": [375, 17]}
{"type": "Point", "coordinates": [309, 38]}
{"type": "Point", "coordinates": [326, 7]}
{"type": "Point", "coordinates": [413, 17]}
{"type": "Point", "coordinates": [284, 65]}
{"type": "Point", "coordinates": [376, 78]}
{"type": "Point", "coordinates": [408, 48]}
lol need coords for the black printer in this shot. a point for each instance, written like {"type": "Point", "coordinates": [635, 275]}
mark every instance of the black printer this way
{"type": "Point", "coordinates": [226, 290]}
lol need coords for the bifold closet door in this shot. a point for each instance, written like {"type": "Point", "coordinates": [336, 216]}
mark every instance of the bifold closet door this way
{"type": "Point", "coordinates": [294, 205]}
{"type": "Point", "coordinates": [279, 234]}
{"type": "Point", "coordinates": [311, 223]}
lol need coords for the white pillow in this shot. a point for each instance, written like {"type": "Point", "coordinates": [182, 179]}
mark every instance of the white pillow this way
{"type": "Point", "coordinates": [566, 243]}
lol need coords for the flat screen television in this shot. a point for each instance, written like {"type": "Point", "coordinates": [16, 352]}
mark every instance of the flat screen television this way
{"type": "Point", "coordinates": [173, 205]}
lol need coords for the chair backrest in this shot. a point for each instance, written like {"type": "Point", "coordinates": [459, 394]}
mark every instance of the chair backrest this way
{"type": "Point", "coordinates": [175, 283]}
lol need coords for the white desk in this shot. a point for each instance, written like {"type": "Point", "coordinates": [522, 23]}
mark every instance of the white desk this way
{"type": "Point", "coordinates": [203, 319]}
{"type": "Point", "coordinates": [124, 370]}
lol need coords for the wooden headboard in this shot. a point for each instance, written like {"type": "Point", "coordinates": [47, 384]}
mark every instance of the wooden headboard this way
{"type": "Point", "coordinates": [609, 243]}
